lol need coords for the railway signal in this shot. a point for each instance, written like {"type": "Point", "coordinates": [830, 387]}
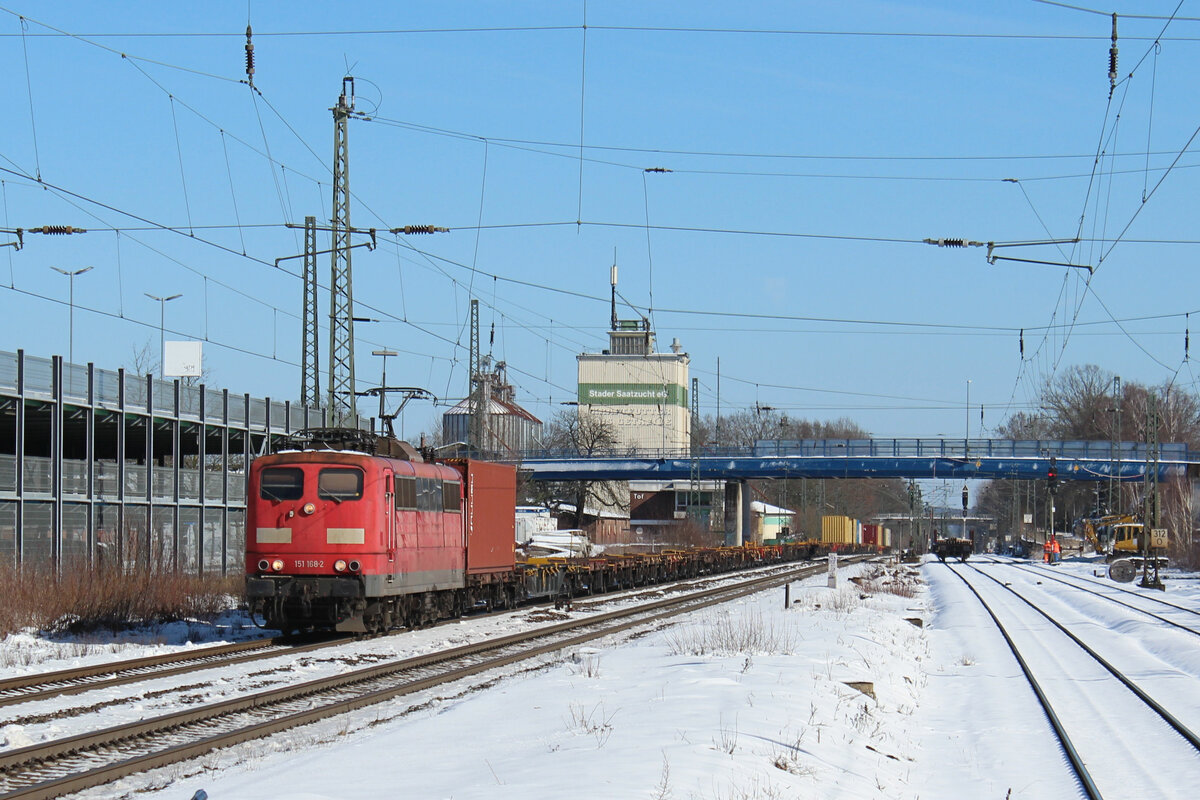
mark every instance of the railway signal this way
{"type": "Point", "coordinates": [1052, 476]}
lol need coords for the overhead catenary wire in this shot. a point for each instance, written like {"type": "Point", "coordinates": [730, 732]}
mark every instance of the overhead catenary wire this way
{"type": "Point", "coordinates": [495, 280]}
{"type": "Point", "coordinates": [29, 89]}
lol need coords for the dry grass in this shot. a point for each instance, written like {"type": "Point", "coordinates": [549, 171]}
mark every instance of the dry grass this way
{"type": "Point", "coordinates": [725, 634]}
{"type": "Point", "coordinates": [888, 579]}
{"type": "Point", "coordinates": [89, 600]}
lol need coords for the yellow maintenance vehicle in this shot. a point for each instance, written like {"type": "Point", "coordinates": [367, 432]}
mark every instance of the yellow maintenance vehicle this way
{"type": "Point", "coordinates": [1118, 537]}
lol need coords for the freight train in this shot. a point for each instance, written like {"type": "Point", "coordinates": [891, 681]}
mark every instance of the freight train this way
{"type": "Point", "coordinates": [348, 531]}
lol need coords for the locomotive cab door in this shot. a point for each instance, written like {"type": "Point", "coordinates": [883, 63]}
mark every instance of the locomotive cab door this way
{"type": "Point", "coordinates": [389, 513]}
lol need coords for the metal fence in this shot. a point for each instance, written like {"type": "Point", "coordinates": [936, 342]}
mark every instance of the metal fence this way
{"type": "Point", "coordinates": [174, 510]}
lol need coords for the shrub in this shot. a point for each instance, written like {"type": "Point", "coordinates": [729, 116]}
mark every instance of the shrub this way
{"type": "Point", "coordinates": [81, 600]}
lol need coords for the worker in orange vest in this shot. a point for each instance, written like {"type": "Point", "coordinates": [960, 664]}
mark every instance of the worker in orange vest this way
{"type": "Point", "coordinates": [1056, 549]}
{"type": "Point", "coordinates": [1046, 550]}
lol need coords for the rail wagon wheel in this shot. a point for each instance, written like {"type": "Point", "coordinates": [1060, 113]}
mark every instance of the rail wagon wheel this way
{"type": "Point", "coordinates": [1122, 570]}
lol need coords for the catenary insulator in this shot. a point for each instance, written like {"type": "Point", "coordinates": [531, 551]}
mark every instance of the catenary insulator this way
{"type": "Point", "coordinates": [1112, 57]}
{"type": "Point", "coordinates": [409, 229]}
{"type": "Point", "coordinates": [249, 56]}
{"type": "Point", "coordinates": [57, 230]}
{"type": "Point", "coordinates": [1022, 343]}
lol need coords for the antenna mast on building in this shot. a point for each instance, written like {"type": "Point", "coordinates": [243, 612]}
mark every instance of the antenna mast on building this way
{"type": "Point", "coordinates": [342, 402]}
{"type": "Point", "coordinates": [613, 281]}
{"type": "Point", "coordinates": [310, 368]}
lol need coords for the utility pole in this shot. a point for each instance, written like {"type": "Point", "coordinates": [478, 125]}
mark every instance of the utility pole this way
{"type": "Point", "coordinates": [71, 305]}
{"type": "Point", "coordinates": [383, 380]}
{"type": "Point", "coordinates": [1117, 504]}
{"type": "Point", "coordinates": [1151, 514]}
{"type": "Point", "coordinates": [310, 367]}
{"type": "Point", "coordinates": [162, 325]}
{"type": "Point", "coordinates": [342, 397]}
{"type": "Point", "coordinates": [694, 486]}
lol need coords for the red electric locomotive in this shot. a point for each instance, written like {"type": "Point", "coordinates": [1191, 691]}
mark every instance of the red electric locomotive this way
{"type": "Point", "coordinates": [356, 533]}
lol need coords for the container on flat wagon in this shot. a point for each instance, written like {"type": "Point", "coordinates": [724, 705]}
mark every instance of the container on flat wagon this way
{"type": "Point", "coordinates": [837, 530]}
{"type": "Point", "coordinates": [870, 535]}
{"type": "Point", "coordinates": [490, 506]}
{"type": "Point", "coordinates": [857, 532]}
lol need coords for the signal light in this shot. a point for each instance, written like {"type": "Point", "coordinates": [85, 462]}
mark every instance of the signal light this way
{"type": "Point", "coordinates": [1052, 476]}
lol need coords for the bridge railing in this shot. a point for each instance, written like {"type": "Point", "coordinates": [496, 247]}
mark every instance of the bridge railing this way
{"type": "Point", "coordinates": [892, 448]}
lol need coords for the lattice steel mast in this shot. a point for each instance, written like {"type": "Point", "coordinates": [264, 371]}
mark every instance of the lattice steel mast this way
{"type": "Point", "coordinates": [341, 296]}
{"type": "Point", "coordinates": [310, 368]}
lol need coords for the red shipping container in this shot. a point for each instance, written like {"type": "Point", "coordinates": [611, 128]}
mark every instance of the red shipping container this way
{"type": "Point", "coordinates": [491, 501]}
{"type": "Point", "coordinates": [870, 534]}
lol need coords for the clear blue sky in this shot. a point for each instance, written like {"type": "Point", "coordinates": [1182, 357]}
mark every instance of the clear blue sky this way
{"type": "Point", "coordinates": [813, 146]}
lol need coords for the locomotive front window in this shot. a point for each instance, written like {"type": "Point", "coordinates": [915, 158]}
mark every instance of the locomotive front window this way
{"type": "Point", "coordinates": [340, 484]}
{"type": "Point", "coordinates": [281, 483]}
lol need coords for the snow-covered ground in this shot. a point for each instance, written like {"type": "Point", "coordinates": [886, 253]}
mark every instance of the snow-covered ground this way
{"type": "Point", "coordinates": [850, 692]}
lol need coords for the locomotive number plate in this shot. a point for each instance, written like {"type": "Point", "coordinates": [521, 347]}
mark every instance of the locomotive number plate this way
{"type": "Point", "coordinates": [311, 564]}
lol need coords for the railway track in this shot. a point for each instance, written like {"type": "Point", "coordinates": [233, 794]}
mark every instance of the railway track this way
{"type": "Point", "coordinates": [67, 765]}
{"type": "Point", "coordinates": [47, 685]}
{"type": "Point", "coordinates": [77, 680]}
{"type": "Point", "coordinates": [1077, 581]}
{"type": "Point", "coordinates": [1070, 692]}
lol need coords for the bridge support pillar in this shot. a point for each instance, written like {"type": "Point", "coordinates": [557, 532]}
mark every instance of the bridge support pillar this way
{"type": "Point", "coordinates": [738, 522]}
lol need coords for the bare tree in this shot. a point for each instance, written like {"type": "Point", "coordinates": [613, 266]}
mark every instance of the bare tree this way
{"type": "Point", "coordinates": [144, 360]}
{"type": "Point", "coordinates": [581, 435]}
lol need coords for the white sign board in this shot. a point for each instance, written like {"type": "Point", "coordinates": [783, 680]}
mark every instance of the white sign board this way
{"type": "Point", "coordinates": [1029, 519]}
{"type": "Point", "coordinates": [182, 359]}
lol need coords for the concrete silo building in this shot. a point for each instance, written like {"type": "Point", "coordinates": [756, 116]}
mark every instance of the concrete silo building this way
{"type": "Point", "coordinates": [508, 429]}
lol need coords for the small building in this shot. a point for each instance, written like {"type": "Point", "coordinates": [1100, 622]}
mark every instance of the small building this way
{"type": "Point", "coordinates": [602, 526]}
{"type": "Point", "coordinates": [770, 523]}
{"type": "Point", "coordinates": [661, 510]}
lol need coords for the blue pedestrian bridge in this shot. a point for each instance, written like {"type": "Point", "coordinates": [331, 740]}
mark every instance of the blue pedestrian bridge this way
{"type": "Point", "coordinates": [873, 458]}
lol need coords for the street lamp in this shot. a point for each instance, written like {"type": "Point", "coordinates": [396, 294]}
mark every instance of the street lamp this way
{"type": "Point", "coordinates": [162, 317]}
{"type": "Point", "coordinates": [383, 380]}
{"type": "Point", "coordinates": [71, 313]}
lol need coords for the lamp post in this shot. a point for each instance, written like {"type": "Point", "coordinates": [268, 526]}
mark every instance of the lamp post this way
{"type": "Point", "coordinates": [71, 313]}
{"type": "Point", "coordinates": [383, 379]}
{"type": "Point", "coordinates": [162, 318]}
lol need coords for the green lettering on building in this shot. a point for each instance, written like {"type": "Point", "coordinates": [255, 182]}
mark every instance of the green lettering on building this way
{"type": "Point", "coordinates": [629, 394]}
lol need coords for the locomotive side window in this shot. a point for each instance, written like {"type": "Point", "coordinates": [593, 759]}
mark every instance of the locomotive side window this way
{"type": "Point", "coordinates": [451, 499]}
{"type": "Point", "coordinates": [340, 484]}
{"type": "Point", "coordinates": [281, 483]}
{"type": "Point", "coordinates": [429, 494]}
{"type": "Point", "coordinates": [406, 492]}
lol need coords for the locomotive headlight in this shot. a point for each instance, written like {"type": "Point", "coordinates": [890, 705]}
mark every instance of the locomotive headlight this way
{"type": "Point", "coordinates": [309, 508]}
{"type": "Point", "coordinates": [277, 565]}
{"type": "Point", "coordinates": [264, 565]}
{"type": "Point", "coordinates": [355, 566]}
{"type": "Point", "coordinates": [339, 566]}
